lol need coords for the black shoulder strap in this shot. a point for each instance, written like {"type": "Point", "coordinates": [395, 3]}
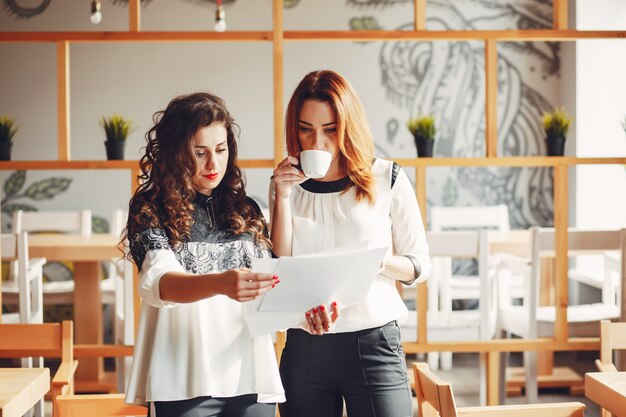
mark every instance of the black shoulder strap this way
{"type": "Point", "coordinates": [394, 173]}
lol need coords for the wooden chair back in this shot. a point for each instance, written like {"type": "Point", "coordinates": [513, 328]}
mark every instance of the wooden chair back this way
{"type": "Point", "coordinates": [612, 337]}
{"type": "Point", "coordinates": [50, 340]}
{"type": "Point", "coordinates": [97, 405]}
{"type": "Point", "coordinates": [435, 399]}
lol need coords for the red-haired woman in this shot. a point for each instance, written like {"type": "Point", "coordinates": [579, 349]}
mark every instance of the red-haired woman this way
{"type": "Point", "coordinates": [359, 360]}
{"type": "Point", "coordinates": [193, 233]}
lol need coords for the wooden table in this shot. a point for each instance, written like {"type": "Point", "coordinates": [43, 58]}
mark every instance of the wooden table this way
{"type": "Point", "coordinates": [608, 390]}
{"type": "Point", "coordinates": [86, 252]}
{"type": "Point", "coordinates": [21, 388]}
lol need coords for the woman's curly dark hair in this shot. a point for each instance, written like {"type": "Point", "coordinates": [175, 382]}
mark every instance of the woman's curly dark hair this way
{"type": "Point", "coordinates": [165, 195]}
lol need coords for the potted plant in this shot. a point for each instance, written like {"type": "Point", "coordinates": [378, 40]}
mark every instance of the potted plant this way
{"type": "Point", "coordinates": [8, 128]}
{"type": "Point", "coordinates": [423, 131]}
{"type": "Point", "coordinates": [556, 124]}
{"type": "Point", "coordinates": [116, 129]}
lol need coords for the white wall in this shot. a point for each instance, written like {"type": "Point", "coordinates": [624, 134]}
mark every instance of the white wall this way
{"type": "Point", "coordinates": [601, 87]}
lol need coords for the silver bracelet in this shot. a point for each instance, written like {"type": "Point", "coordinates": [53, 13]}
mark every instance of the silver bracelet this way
{"type": "Point", "coordinates": [417, 269]}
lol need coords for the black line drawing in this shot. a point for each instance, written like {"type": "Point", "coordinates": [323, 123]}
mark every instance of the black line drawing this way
{"type": "Point", "coordinates": [446, 79]}
{"type": "Point", "coordinates": [14, 9]}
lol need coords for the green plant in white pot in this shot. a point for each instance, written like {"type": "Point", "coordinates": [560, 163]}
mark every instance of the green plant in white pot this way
{"type": "Point", "coordinates": [116, 129]}
{"type": "Point", "coordinates": [8, 129]}
{"type": "Point", "coordinates": [423, 130]}
{"type": "Point", "coordinates": [556, 124]}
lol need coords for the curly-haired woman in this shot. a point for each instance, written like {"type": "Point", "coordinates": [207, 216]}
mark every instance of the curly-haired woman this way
{"type": "Point", "coordinates": [359, 361]}
{"type": "Point", "coordinates": [193, 233]}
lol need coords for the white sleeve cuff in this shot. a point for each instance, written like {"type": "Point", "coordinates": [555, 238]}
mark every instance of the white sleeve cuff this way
{"type": "Point", "coordinates": [156, 263]}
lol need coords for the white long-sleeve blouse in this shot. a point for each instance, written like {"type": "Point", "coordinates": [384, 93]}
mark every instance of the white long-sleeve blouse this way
{"type": "Point", "coordinates": [203, 348]}
{"type": "Point", "coordinates": [324, 217]}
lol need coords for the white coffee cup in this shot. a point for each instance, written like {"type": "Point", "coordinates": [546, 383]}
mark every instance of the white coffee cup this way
{"type": "Point", "coordinates": [315, 163]}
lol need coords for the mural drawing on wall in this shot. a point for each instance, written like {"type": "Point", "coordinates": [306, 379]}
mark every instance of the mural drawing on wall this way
{"type": "Point", "coordinates": [17, 9]}
{"type": "Point", "coordinates": [446, 79]}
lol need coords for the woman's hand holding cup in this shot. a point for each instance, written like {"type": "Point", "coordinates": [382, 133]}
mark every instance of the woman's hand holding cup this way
{"type": "Point", "coordinates": [286, 175]}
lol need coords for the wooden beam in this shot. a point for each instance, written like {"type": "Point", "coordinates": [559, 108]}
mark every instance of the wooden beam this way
{"type": "Point", "coordinates": [421, 298]}
{"type": "Point", "coordinates": [419, 18]}
{"type": "Point", "coordinates": [491, 97]}
{"type": "Point", "coordinates": [493, 376]}
{"type": "Point", "coordinates": [141, 36]}
{"type": "Point", "coordinates": [343, 35]}
{"type": "Point", "coordinates": [63, 100]}
{"type": "Point", "coordinates": [507, 161]}
{"type": "Point", "coordinates": [102, 351]}
{"type": "Point", "coordinates": [504, 345]}
{"type": "Point", "coordinates": [559, 14]}
{"type": "Point", "coordinates": [277, 17]}
{"type": "Point", "coordinates": [560, 223]}
{"type": "Point", "coordinates": [134, 15]}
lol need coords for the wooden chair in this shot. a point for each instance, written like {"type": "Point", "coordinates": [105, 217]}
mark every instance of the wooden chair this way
{"type": "Point", "coordinates": [97, 405]}
{"type": "Point", "coordinates": [27, 282]}
{"type": "Point", "coordinates": [612, 337]}
{"type": "Point", "coordinates": [443, 323]}
{"type": "Point", "coordinates": [435, 399]}
{"type": "Point", "coordinates": [532, 320]}
{"type": "Point", "coordinates": [50, 340]}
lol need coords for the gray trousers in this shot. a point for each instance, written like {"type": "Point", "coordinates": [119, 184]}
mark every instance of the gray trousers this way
{"type": "Point", "coordinates": [240, 406]}
{"type": "Point", "coordinates": [366, 369]}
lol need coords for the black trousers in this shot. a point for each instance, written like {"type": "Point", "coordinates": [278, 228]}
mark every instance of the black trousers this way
{"type": "Point", "coordinates": [240, 406]}
{"type": "Point", "coordinates": [365, 368]}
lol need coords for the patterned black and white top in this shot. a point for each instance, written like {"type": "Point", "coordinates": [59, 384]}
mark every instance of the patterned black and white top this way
{"type": "Point", "coordinates": [203, 348]}
{"type": "Point", "coordinates": [210, 248]}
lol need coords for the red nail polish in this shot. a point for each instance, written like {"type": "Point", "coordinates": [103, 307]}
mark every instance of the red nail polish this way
{"type": "Point", "coordinates": [307, 314]}
{"type": "Point", "coordinates": [277, 281]}
{"type": "Point", "coordinates": [315, 310]}
{"type": "Point", "coordinates": [275, 276]}
{"type": "Point", "coordinates": [334, 304]}
{"type": "Point", "coordinates": [273, 285]}
{"type": "Point", "coordinates": [323, 308]}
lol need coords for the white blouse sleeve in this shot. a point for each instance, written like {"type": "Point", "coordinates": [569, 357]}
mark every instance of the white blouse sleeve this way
{"type": "Point", "coordinates": [157, 262]}
{"type": "Point", "coordinates": [407, 228]}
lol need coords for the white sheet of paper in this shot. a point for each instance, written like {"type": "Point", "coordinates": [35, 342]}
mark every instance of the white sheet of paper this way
{"type": "Point", "coordinates": [308, 281]}
{"type": "Point", "coordinates": [343, 275]}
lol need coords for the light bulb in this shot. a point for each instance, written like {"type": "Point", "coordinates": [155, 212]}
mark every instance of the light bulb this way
{"type": "Point", "coordinates": [220, 25]}
{"type": "Point", "coordinates": [96, 18]}
{"type": "Point", "coordinates": [220, 18]}
{"type": "Point", "coordinates": [96, 12]}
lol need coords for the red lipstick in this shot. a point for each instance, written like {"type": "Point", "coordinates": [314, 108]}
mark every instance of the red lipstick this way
{"type": "Point", "coordinates": [211, 176]}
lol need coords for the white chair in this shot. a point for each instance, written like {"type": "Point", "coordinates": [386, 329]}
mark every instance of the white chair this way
{"type": "Point", "coordinates": [460, 324]}
{"type": "Point", "coordinates": [77, 222]}
{"type": "Point", "coordinates": [27, 283]}
{"type": "Point", "coordinates": [465, 287]}
{"type": "Point", "coordinates": [531, 320]}
{"type": "Point", "coordinates": [121, 273]}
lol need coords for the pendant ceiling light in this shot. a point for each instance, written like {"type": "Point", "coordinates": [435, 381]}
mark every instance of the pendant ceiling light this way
{"type": "Point", "coordinates": [96, 12]}
{"type": "Point", "coordinates": [220, 17]}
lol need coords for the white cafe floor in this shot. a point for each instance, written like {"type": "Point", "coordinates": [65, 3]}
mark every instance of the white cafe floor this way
{"type": "Point", "coordinates": [465, 380]}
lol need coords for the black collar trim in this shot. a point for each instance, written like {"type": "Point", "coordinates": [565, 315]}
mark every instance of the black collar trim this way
{"type": "Point", "coordinates": [322, 187]}
{"type": "Point", "coordinates": [202, 199]}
